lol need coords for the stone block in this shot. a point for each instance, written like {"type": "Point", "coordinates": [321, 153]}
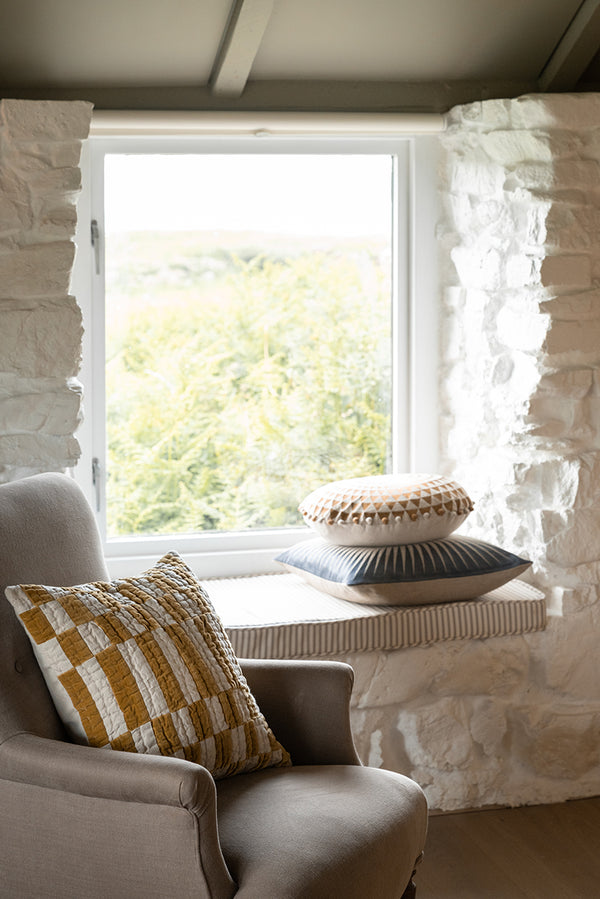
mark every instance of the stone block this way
{"type": "Point", "coordinates": [486, 218]}
{"type": "Point", "coordinates": [42, 270]}
{"type": "Point", "coordinates": [578, 307]}
{"type": "Point", "coordinates": [53, 181]}
{"type": "Point", "coordinates": [56, 219]}
{"type": "Point", "coordinates": [573, 271]}
{"type": "Point", "coordinates": [15, 206]}
{"type": "Point", "coordinates": [574, 343]}
{"type": "Point", "coordinates": [556, 112]}
{"type": "Point", "coordinates": [479, 178]}
{"type": "Point", "coordinates": [62, 154]}
{"type": "Point", "coordinates": [568, 383]}
{"type": "Point", "coordinates": [400, 677]}
{"type": "Point", "coordinates": [522, 331]}
{"type": "Point", "coordinates": [488, 726]}
{"type": "Point", "coordinates": [558, 176]}
{"type": "Point", "coordinates": [438, 735]}
{"type": "Point", "coordinates": [481, 115]}
{"type": "Point", "coordinates": [512, 147]}
{"type": "Point", "coordinates": [558, 740]}
{"type": "Point", "coordinates": [566, 673]}
{"type": "Point", "coordinates": [522, 270]}
{"type": "Point", "coordinates": [563, 482]}
{"type": "Point", "coordinates": [479, 267]}
{"type": "Point", "coordinates": [560, 419]}
{"type": "Point", "coordinates": [27, 411]}
{"type": "Point", "coordinates": [38, 452]}
{"type": "Point", "coordinates": [37, 120]}
{"type": "Point", "coordinates": [378, 741]}
{"type": "Point", "coordinates": [573, 538]}
{"type": "Point", "coordinates": [570, 227]}
{"type": "Point", "coordinates": [44, 341]}
{"type": "Point", "coordinates": [533, 227]}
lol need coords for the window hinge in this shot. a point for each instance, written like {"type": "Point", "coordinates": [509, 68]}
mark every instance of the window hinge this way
{"type": "Point", "coordinates": [96, 480]}
{"type": "Point", "coordinates": [95, 238]}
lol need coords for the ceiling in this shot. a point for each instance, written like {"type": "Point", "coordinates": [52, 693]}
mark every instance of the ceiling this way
{"type": "Point", "coordinates": [296, 54]}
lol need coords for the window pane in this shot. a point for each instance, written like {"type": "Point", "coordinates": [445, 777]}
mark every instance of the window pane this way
{"type": "Point", "coordinates": [248, 328]}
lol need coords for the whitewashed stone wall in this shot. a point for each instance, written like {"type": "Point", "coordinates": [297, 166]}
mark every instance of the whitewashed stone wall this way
{"type": "Point", "coordinates": [513, 720]}
{"type": "Point", "coordinates": [40, 323]}
{"type": "Point", "coordinates": [500, 721]}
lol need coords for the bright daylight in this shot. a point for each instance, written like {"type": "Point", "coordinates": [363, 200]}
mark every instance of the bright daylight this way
{"type": "Point", "coordinates": [248, 310]}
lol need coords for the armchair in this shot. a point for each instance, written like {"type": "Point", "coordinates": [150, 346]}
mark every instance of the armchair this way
{"type": "Point", "coordinates": [78, 821]}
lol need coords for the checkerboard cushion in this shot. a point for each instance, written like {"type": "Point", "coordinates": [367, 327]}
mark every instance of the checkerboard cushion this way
{"type": "Point", "coordinates": [144, 665]}
{"type": "Point", "coordinates": [386, 510]}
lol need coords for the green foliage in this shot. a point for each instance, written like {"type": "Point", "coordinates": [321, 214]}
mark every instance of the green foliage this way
{"type": "Point", "coordinates": [232, 395]}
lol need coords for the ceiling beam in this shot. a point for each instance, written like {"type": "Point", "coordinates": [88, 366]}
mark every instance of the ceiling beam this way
{"type": "Point", "coordinates": [244, 32]}
{"type": "Point", "coordinates": [575, 50]}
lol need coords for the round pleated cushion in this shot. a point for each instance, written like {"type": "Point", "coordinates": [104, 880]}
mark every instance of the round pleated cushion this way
{"type": "Point", "coordinates": [385, 510]}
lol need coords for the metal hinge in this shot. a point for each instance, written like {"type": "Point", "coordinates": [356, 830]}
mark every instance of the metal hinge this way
{"type": "Point", "coordinates": [96, 480]}
{"type": "Point", "coordinates": [95, 238]}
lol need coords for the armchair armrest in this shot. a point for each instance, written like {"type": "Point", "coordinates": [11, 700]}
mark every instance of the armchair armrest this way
{"type": "Point", "coordinates": [307, 703]}
{"type": "Point", "coordinates": [137, 824]}
{"type": "Point", "coordinates": [125, 776]}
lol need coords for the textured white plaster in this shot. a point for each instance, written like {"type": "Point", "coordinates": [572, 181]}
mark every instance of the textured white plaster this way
{"type": "Point", "coordinates": [40, 323]}
{"type": "Point", "coordinates": [45, 120]}
{"type": "Point", "coordinates": [513, 720]}
{"type": "Point", "coordinates": [375, 759]}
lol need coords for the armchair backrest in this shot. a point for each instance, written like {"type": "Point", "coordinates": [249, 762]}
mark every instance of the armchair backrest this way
{"type": "Point", "coordinates": [48, 535]}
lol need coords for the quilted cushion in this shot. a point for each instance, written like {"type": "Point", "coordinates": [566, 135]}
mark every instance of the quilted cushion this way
{"type": "Point", "coordinates": [144, 665]}
{"type": "Point", "coordinates": [447, 570]}
{"type": "Point", "coordinates": [386, 510]}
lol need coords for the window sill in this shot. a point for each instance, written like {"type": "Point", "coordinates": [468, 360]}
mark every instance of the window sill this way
{"type": "Point", "coordinates": [279, 616]}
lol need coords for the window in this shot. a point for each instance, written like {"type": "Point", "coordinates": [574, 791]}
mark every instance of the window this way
{"type": "Point", "coordinates": [251, 333]}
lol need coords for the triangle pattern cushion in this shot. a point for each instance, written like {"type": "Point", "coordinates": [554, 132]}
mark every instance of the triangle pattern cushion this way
{"type": "Point", "coordinates": [386, 510]}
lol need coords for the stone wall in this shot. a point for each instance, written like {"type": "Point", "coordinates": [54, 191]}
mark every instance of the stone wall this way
{"type": "Point", "coordinates": [513, 720]}
{"type": "Point", "coordinates": [40, 323]}
{"type": "Point", "coordinates": [502, 721]}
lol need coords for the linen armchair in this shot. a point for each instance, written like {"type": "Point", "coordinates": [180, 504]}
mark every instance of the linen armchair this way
{"type": "Point", "coordinates": [78, 821]}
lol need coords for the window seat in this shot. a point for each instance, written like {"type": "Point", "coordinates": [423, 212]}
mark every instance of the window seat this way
{"type": "Point", "coordinates": [279, 616]}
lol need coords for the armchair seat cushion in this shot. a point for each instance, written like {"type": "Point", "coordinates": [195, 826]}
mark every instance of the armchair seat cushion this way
{"type": "Point", "coordinates": [315, 832]}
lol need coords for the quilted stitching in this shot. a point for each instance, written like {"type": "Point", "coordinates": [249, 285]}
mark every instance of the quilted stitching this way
{"type": "Point", "coordinates": [148, 667]}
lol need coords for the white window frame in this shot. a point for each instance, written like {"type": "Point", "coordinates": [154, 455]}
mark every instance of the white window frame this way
{"type": "Point", "coordinates": [415, 335]}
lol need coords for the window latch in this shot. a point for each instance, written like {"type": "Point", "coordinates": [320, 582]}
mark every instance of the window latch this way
{"type": "Point", "coordinates": [95, 238]}
{"type": "Point", "coordinates": [96, 480]}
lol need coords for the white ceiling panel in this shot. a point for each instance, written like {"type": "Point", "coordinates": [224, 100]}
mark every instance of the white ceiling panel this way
{"type": "Point", "coordinates": [272, 52]}
{"type": "Point", "coordinates": [422, 40]}
{"type": "Point", "coordinates": [110, 42]}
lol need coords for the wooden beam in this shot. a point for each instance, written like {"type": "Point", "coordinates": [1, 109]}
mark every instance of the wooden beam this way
{"type": "Point", "coordinates": [575, 50]}
{"type": "Point", "coordinates": [247, 24]}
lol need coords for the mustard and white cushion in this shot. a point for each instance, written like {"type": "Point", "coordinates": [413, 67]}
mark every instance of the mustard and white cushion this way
{"type": "Point", "coordinates": [144, 665]}
{"type": "Point", "coordinates": [386, 510]}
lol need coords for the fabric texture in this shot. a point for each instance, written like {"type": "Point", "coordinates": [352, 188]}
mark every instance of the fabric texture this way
{"type": "Point", "coordinates": [144, 665]}
{"type": "Point", "coordinates": [386, 510]}
{"type": "Point", "coordinates": [455, 568]}
{"type": "Point", "coordinates": [356, 838]}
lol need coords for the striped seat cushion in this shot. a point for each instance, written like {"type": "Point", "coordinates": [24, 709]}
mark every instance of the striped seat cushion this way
{"type": "Point", "coordinates": [455, 568]}
{"type": "Point", "coordinates": [144, 665]}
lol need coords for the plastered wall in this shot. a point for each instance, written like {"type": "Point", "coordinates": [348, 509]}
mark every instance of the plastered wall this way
{"type": "Point", "coordinates": [502, 721]}
{"type": "Point", "coordinates": [513, 720]}
{"type": "Point", "coordinates": [40, 323]}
